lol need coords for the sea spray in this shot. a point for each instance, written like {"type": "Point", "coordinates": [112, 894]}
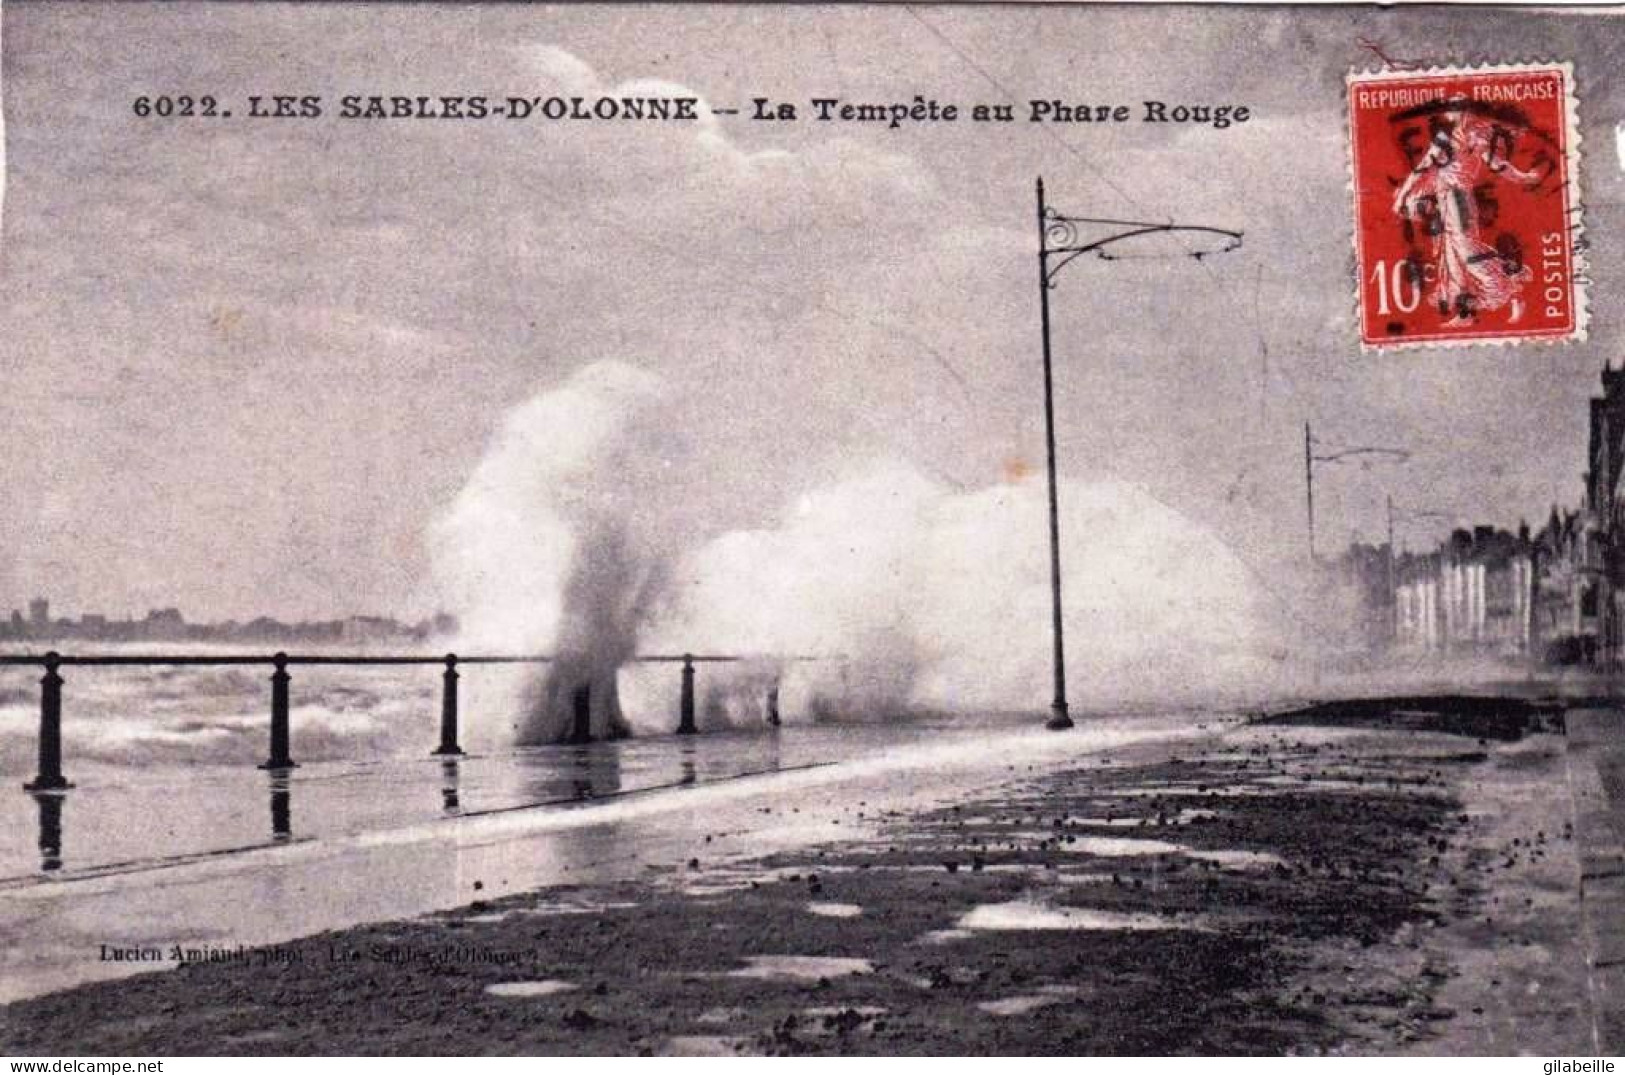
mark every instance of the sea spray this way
{"type": "Point", "coordinates": [884, 593]}
{"type": "Point", "coordinates": [578, 698]}
{"type": "Point", "coordinates": [552, 545]}
{"type": "Point", "coordinates": [910, 596]}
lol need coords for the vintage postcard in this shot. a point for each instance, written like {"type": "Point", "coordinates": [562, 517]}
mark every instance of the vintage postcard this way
{"type": "Point", "coordinates": [779, 529]}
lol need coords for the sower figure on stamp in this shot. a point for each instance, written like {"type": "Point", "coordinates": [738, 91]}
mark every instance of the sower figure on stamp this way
{"type": "Point", "coordinates": [1451, 193]}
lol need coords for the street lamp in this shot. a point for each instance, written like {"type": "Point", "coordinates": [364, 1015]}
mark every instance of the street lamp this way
{"type": "Point", "coordinates": [1363, 454]}
{"type": "Point", "coordinates": [1065, 238]}
{"type": "Point", "coordinates": [1403, 515]}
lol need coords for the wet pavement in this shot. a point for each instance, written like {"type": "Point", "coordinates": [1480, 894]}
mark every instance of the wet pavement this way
{"type": "Point", "coordinates": [130, 816]}
{"type": "Point", "coordinates": [218, 857]}
{"type": "Point", "coordinates": [1259, 889]}
{"type": "Point", "coordinates": [1596, 772]}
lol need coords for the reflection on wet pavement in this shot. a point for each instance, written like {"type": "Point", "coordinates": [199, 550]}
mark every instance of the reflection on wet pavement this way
{"type": "Point", "coordinates": [281, 807]}
{"type": "Point", "coordinates": [124, 817]}
{"type": "Point", "coordinates": [50, 828]}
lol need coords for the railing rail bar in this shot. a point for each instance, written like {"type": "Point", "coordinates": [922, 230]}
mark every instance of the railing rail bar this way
{"type": "Point", "coordinates": [241, 659]}
{"type": "Point", "coordinates": [50, 779]}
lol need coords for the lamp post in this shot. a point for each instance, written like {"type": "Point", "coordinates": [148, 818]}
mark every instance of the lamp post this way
{"type": "Point", "coordinates": [1364, 454]}
{"type": "Point", "coordinates": [1065, 238]}
{"type": "Point", "coordinates": [1393, 592]}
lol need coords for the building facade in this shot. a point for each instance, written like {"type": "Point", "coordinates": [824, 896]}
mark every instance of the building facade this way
{"type": "Point", "coordinates": [1475, 595]}
{"type": "Point", "coordinates": [1557, 595]}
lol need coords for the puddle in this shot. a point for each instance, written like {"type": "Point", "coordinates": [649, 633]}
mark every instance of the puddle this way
{"type": "Point", "coordinates": [1023, 914]}
{"type": "Point", "coordinates": [545, 988]}
{"type": "Point", "coordinates": [945, 936]}
{"type": "Point", "coordinates": [835, 910]}
{"type": "Point", "coordinates": [722, 879]}
{"type": "Point", "coordinates": [1026, 1002]}
{"type": "Point", "coordinates": [576, 907]}
{"type": "Point", "coordinates": [495, 916]}
{"type": "Point", "coordinates": [1120, 846]}
{"type": "Point", "coordinates": [804, 968]}
{"type": "Point", "coordinates": [1073, 877]}
{"type": "Point", "coordinates": [703, 1045]}
{"type": "Point", "coordinates": [1103, 846]}
{"type": "Point", "coordinates": [707, 889]}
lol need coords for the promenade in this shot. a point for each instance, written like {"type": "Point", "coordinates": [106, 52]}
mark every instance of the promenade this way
{"type": "Point", "coordinates": [1411, 877]}
{"type": "Point", "coordinates": [216, 857]}
{"type": "Point", "coordinates": [1596, 768]}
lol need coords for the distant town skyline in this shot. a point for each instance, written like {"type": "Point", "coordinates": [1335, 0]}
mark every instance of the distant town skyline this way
{"type": "Point", "coordinates": [37, 623]}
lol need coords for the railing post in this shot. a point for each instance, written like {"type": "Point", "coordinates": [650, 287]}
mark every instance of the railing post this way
{"type": "Point", "coordinates": [773, 705]}
{"type": "Point", "coordinates": [279, 716]}
{"type": "Point", "coordinates": [581, 714]}
{"type": "Point", "coordinates": [448, 710]}
{"type": "Point", "coordinates": [50, 776]}
{"type": "Point", "coordinates": [685, 704]}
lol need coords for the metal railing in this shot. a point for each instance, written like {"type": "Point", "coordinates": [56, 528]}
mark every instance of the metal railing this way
{"type": "Point", "coordinates": [50, 777]}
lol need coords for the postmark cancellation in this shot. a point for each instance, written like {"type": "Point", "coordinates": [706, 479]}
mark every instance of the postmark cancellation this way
{"type": "Point", "coordinates": [1466, 205]}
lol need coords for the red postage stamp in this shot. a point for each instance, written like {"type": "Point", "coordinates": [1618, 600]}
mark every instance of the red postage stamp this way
{"type": "Point", "coordinates": [1466, 205]}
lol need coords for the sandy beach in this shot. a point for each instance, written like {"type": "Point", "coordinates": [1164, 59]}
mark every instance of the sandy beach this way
{"type": "Point", "coordinates": [1393, 877]}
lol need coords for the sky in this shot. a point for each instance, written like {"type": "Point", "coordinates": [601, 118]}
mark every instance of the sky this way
{"type": "Point", "coordinates": [245, 364]}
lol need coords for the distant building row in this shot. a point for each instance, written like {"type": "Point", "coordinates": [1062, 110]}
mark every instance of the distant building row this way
{"type": "Point", "coordinates": [1557, 595]}
{"type": "Point", "coordinates": [168, 625]}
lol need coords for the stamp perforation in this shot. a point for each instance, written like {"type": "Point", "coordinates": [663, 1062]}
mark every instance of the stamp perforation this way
{"type": "Point", "coordinates": [1568, 138]}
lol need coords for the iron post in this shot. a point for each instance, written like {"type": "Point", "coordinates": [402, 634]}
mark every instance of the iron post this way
{"type": "Point", "coordinates": [1064, 239]}
{"type": "Point", "coordinates": [685, 703]}
{"type": "Point", "coordinates": [1309, 484]}
{"type": "Point", "coordinates": [49, 777]}
{"type": "Point", "coordinates": [1059, 719]}
{"type": "Point", "coordinates": [448, 710]}
{"type": "Point", "coordinates": [280, 678]}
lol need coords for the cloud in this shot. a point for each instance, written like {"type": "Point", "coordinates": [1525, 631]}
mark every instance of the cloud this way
{"type": "Point", "coordinates": [305, 306]}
